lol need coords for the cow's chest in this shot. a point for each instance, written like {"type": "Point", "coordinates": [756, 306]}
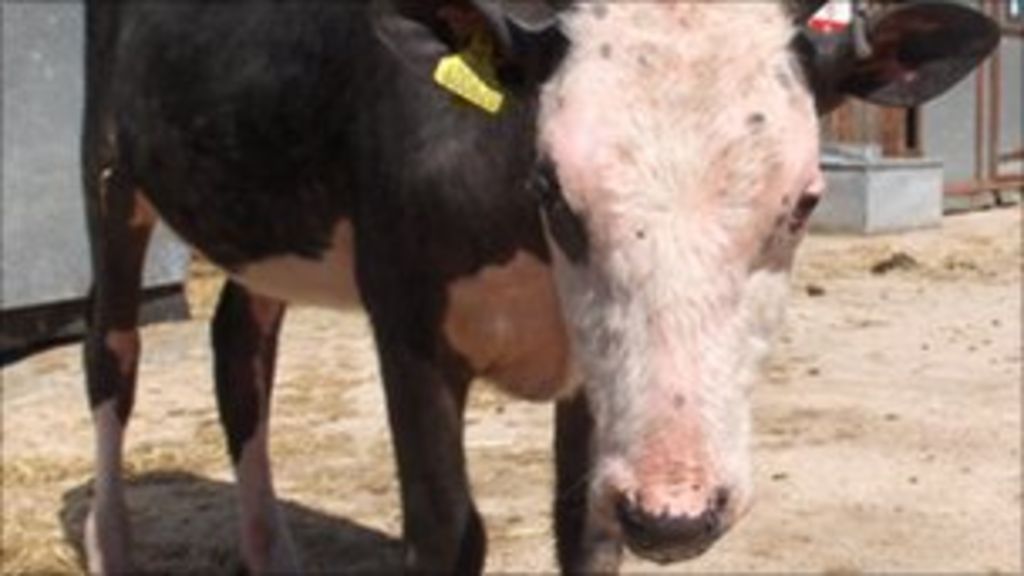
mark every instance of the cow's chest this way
{"type": "Point", "coordinates": [505, 320]}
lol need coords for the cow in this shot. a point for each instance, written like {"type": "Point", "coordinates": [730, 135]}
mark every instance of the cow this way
{"type": "Point", "coordinates": [592, 203]}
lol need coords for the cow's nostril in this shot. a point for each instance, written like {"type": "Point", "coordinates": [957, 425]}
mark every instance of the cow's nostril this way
{"type": "Point", "coordinates": [669, 538]}
{"type": "Point", "coordinates": [721, 501]}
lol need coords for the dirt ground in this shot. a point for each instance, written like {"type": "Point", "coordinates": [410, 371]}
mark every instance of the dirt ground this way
{"type": "Point", "coordinates": [888, 432]}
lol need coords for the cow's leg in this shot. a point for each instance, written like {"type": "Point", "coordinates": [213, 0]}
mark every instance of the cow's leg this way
{"type": "Point", "coordinates": [443, 531]}
{"type": "Point", "coordinates": [120, 224]}
{"type": "Point", "coordinates": [583, 548]}
{"type": "Point", "coordinates": [245, 331]}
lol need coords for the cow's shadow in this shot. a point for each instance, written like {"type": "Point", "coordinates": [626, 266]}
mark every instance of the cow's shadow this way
{"type": "Point", "coordinates": [182, 523]}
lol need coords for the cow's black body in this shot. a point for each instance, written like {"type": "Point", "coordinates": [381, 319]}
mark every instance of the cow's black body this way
{"type": "Point", "coordinates": [253, 129]}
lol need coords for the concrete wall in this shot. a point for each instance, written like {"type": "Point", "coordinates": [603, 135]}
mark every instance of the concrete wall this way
{"type": "Point", "coordinates": [871, 194]}
{"type": "Point", "coordinates": [44, 257]}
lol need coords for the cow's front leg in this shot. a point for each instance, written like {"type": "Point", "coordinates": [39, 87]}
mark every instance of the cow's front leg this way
{"type": "Point", "coordinates": [245, 331]}
{"type": "Point", "coordinates": [584, 545]}
{"type": "Point", "coordinates": [443, 531]}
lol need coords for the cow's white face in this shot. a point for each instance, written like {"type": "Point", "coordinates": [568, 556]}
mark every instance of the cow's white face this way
{"type": "Point", "coordinates": [686, 141]}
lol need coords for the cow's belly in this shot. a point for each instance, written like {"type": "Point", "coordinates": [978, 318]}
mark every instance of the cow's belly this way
{"type": "Point", "coordinates": [327, 282]}
{"type": "Point", "coordinates": [506, 321]}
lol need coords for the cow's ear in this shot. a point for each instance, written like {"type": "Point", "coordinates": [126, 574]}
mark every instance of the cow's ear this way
{"type": "Point", "coordinates": [529, 35]}
{"type": "Point", "coordinates": [526, 36]}
{"type": "Point", "coordinates": [918, 50]}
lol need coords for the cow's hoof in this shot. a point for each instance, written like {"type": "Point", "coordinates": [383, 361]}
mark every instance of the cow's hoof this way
{"type": "Point", "coordinates": [601, 553]}
{"type": "Point", "coordinates": [274, 554]}
{"type": "Point", "coordinates": [283, 557]}
{"type": "Point", "coordinates": [107, 540]}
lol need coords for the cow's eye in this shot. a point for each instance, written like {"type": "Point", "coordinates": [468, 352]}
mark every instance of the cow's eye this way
{"type": "Point", "coordinates": [803, 209]}
{"type": "Point", "coordinates": [567, 228]}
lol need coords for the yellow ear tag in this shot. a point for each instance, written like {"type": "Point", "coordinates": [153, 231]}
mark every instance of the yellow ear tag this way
{"type": "Point", "coordinates": [470, 75]}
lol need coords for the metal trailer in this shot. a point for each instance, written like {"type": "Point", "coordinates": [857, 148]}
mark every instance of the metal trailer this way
{"type": "Point", "coordinates": [44, 256]}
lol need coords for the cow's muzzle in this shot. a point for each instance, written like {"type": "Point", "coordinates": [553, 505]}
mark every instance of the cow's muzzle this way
{"type": "Point", "coordinates": [666, 538]}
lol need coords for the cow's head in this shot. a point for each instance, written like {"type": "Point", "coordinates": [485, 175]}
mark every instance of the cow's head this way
{"type": "Point", "coordinates": [679, 158]}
